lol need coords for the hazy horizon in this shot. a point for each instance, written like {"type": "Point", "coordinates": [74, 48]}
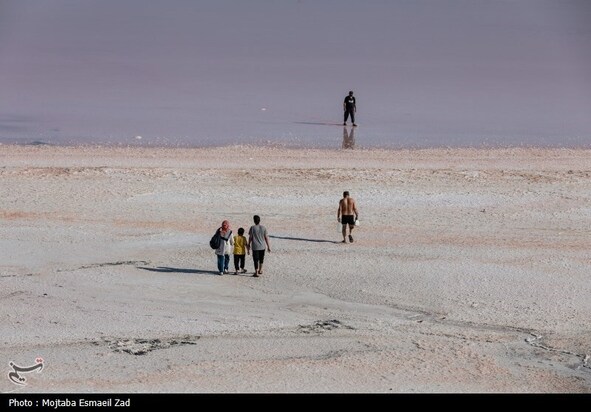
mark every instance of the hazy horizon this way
{"type": "Point", "coordinates": [425, 73]}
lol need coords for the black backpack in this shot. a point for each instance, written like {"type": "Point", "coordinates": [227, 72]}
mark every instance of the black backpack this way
{"type": "Point", "coordinates": [216, 240]}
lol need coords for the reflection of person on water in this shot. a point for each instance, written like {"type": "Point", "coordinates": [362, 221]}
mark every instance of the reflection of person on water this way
{"type": "Point", "coordinates": [348, 138]}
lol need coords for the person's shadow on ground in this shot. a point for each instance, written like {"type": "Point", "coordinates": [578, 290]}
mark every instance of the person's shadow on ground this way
{"type": "Point", "coordinates": [164, 269]}
{"type": "Point", "coordinates": [304, 239]}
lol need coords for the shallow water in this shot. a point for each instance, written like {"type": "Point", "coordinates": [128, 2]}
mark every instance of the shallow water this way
{"type": "Point", "coordinates": [426, 74]}
{"type": "Point", "coordinates": [313, 135]}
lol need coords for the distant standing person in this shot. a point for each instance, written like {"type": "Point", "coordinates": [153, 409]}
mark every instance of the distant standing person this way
{"type": "Point", "coordinates": [347, 215]}
{"type": "Point", "coordinates": [225, 248]}
{"type": "Point", "coordinates": [257, 239]}
{"type": "Point", "coordinates": [350, 108]}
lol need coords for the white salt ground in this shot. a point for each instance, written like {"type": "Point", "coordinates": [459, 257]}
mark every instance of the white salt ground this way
{"type": "Point", "coordinates": [469, 272]}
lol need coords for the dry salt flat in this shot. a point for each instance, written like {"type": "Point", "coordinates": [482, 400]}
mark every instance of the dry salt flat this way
{"type": "Point", "coordinates": [469, 271]}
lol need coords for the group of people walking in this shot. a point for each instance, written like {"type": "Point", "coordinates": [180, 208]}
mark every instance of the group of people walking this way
{"type": "Point", "coordinates": [240, 246]}
{"type": "Point", "coordinates": [258, 239]}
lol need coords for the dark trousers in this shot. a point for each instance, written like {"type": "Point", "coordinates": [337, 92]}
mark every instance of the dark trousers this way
{"type": "Point", "coordinates": [349, 112]}
{"type": "Point", "coordinates": [239, 261]}
{"type": "Point", "coordinates": [259, 257]}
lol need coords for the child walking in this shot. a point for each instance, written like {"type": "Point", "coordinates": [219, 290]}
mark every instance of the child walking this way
{"type": "Point", "coordinates": [240, 250]}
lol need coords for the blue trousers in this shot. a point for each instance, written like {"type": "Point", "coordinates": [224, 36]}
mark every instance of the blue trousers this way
{"type": "Point", "coordinates": [223, 262]}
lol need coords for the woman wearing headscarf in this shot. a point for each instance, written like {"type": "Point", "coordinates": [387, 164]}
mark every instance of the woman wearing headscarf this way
{"type": "Point", "coordinates": [225, 248]}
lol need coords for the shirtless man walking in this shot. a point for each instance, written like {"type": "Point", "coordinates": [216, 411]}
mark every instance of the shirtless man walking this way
{"type": "Point", "coordinates": [347, 215]}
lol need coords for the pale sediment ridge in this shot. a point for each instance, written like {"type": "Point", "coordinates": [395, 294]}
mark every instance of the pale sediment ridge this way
{"type": "Point", "coordinates": [469, 271]}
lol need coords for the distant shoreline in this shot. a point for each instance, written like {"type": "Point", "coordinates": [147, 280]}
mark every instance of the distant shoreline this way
{"type": "Point", "coordinates": [278, 145]}
{"type": "Point", "coordinates": [245, 157]}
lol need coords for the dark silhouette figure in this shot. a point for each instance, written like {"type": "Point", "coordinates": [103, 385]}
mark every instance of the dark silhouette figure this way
{"type": "Point", "coordinates": [350, 107]}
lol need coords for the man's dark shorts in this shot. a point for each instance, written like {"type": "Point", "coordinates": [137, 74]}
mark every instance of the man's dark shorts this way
{"type": "Point", "coordinates": [259, 255]}
{"type": "Point", "coordinates": [348, 220]}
